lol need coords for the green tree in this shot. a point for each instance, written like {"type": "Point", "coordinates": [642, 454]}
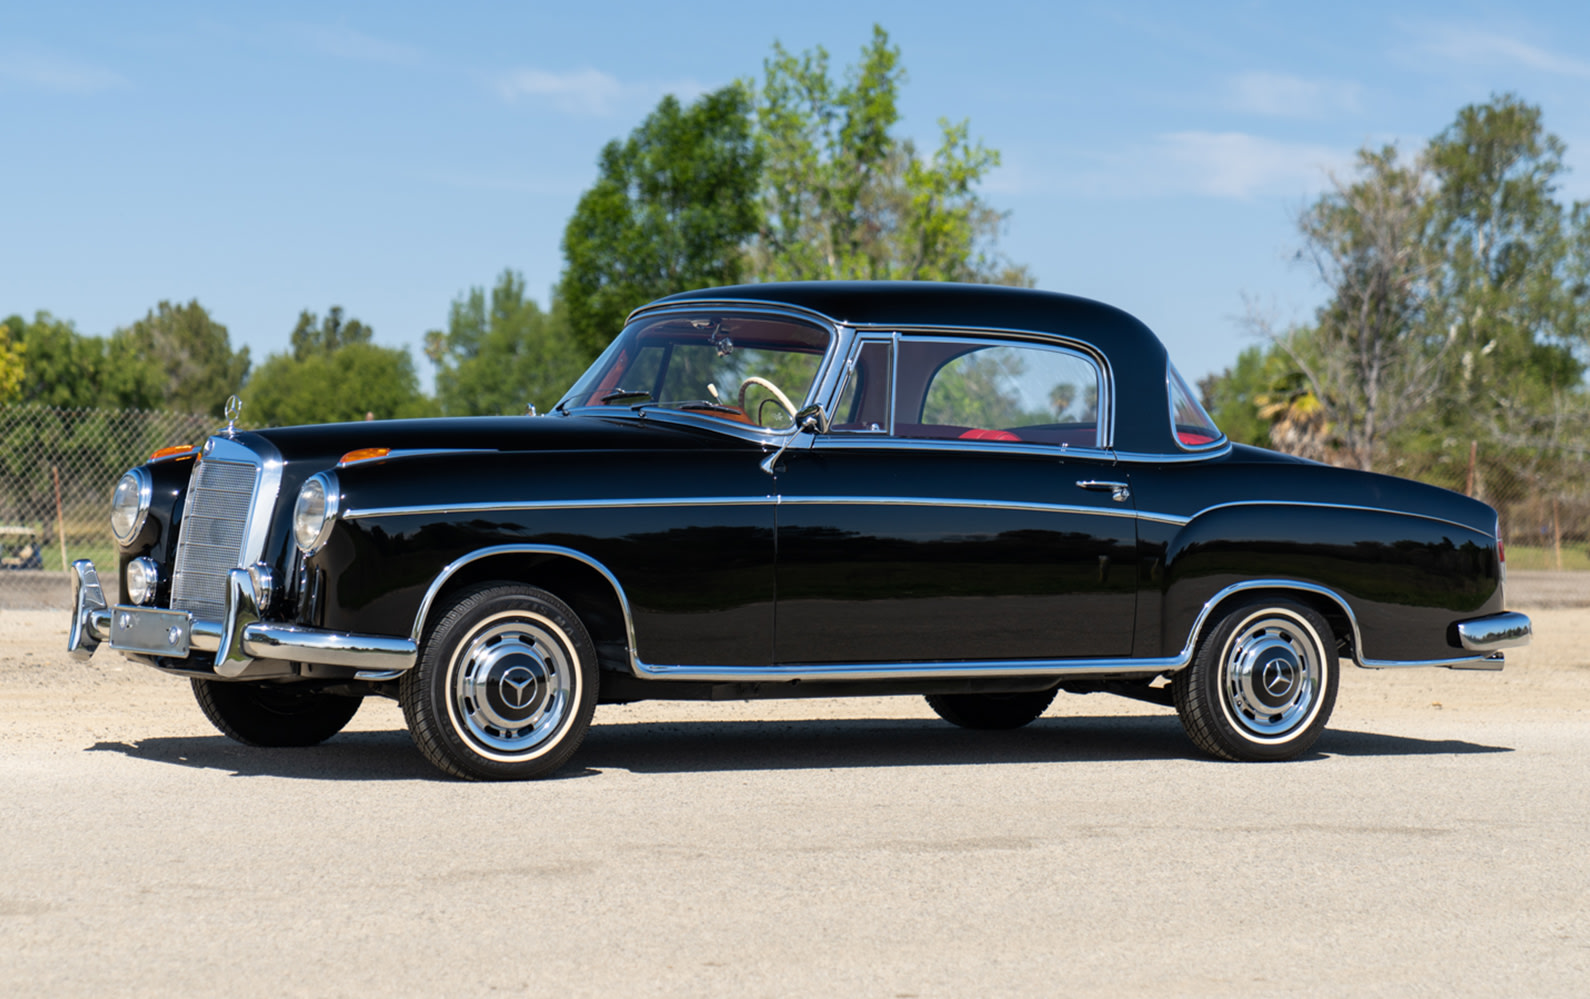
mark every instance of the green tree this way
{"type": "Point", "coordinates": [1458, 308]}
{"type": "Point", "coordinates": [1237, 397]}
{"type": "Point", "coordinates": [843, 198]}
{"type": "Point", "coordinates": [11, 364]}
{"type": "Point", "coordinates": [1372, 358]}
{"type": "Point", "coordinates": [499, 355]}
{"type": "Point", "coordinates": [314, 335]}
{"type": "Point", "coordinates": [669, 211]}
{"type": "Point", "coordinates": [1510, 294]}
{"type": "Point", "coordinates": [333, 374]}
{"type": "Point", "coordinates": [66, 369]}
{"type": "Point", "coordinates": [192, 353]}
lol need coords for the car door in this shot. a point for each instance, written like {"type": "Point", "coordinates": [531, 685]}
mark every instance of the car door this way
{"type": "Point", "coordinates": [959, 509]}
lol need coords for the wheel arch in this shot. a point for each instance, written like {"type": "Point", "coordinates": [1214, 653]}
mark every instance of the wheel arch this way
{"type": "Point", "coordinates": [1322, 600]}
{"type": "Point", "coordinates": [585, 584]}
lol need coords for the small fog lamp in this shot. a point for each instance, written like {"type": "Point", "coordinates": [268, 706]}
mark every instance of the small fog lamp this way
{"type": "Point", "coordinates": [143, 577]}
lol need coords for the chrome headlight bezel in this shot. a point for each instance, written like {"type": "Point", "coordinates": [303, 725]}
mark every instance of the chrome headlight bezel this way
{"type": "Point", "coordinates": [143, 580]}
{"type": "Point", "coordinates": [129, 505]}
{"type": "Point", "coordinates": [315, 511]}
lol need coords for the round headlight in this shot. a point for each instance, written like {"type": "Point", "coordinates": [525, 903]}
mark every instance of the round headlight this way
{"type": "Point", "coordinates": [142, 578]}
{"type": "Point", "coordinates": [129, 504]}
{"type": "Point", "coordinates": [315, 512]}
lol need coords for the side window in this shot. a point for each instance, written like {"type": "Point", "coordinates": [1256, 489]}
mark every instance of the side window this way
{"type": "Point", "coordinates": [1192, 425]}
{"type": "Point", "coordinates": [864, 401]}
{"type": "Point", "coordinates": [957, 389]}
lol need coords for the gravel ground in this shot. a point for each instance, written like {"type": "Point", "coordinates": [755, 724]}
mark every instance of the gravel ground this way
{"type": "Point", "coordinates": [1435, 844]}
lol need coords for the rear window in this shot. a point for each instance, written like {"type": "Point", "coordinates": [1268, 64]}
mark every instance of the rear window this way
{"type": "Point", "coordinates": [1193, 427]}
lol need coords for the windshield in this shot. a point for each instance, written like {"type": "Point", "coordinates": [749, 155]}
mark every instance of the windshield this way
{"type": "Point", "coordinates": [755, 370]}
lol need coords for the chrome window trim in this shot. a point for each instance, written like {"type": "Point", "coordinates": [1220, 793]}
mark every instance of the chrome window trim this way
{"type": "Point", "coordinates": [1106, 404]}
{"type": "Point", "coordinates": [827, 385]}
{"type": "Point", "coordinates": [1175, 458]}
{"type": "Point", "coordinates": [1103, 428]}
{"type": "Point", "coordinates": [894, 381]}
{"type": "Point", "coordinates": [856, 344]}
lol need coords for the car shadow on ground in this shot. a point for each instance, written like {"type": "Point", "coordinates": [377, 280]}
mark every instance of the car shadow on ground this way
{"type": "Point", "coordinates": [708, 746]}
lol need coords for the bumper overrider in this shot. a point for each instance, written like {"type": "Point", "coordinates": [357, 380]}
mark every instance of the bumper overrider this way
{"type": "Point", "coordinates": [1494, 632]}
{"type": "Point", "coordinates": [244, 646]}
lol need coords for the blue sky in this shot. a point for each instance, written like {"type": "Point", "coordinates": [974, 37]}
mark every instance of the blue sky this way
{"type": "Point", "coordinates": [387, 156]}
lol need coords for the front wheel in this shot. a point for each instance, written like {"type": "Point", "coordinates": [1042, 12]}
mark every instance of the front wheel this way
{"type": "Point", "coordinates": [264, 714]}
{"type": "Point", "coordinates": [505, 686]}
{"type": "Point", "coordinates": [1262, 684]}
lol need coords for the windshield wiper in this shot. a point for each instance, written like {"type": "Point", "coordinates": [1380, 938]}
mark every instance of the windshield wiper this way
{"type": "Point", "coordinates": [626, 397]}
{"type": "Point", "coordinates": [706, 404]}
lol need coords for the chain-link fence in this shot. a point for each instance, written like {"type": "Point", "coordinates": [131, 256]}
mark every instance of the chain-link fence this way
{"type": "Point", "coordinates": [1541, 492]}
{"type": "Point", "coordinates": [57, 470]}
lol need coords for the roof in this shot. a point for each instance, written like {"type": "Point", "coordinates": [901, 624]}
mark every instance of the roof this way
{"type": "Point", "coordinates": [935, 303]}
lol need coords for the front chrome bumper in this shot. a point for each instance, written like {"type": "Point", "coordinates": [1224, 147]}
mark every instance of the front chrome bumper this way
{"type": "Point", "coordinates": [245, 647]}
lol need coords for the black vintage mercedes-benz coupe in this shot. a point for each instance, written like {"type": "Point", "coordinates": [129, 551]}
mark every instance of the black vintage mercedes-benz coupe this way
{"type": "Point", "coordinates": [982, 495]}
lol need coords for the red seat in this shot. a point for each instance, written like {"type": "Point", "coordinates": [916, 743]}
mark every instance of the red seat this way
{"type": "Point", "coordinates": [989, 435]}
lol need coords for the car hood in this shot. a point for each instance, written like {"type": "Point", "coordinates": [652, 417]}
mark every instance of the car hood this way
{"type": "Point", "coordinates": [329, 442]}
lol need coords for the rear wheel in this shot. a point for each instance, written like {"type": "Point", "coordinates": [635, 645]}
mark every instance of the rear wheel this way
{"type": "Point", "coordinates": [260, 714]}
{"type": "Point", "coordinates": [991, 711]}
{"type": "Point", "coordinates": [1262, 684]}
{"type": "Point", "coordinates": [505, 686]}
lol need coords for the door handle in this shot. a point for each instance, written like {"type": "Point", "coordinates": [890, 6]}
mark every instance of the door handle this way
{"type": "Point", "coordinates": [1120, 492]}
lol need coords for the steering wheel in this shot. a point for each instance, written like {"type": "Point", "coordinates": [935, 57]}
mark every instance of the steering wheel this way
{"type": "Point", "coordinates": [778, 395]}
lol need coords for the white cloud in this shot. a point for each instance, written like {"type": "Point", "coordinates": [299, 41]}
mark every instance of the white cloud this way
{"type": "Point", "coordinates": [45, 71]}
{"type": "Point", "coordinates": [1291, 96]}
{"type": "Point", "coordinates": [587, 91]}
{"type": "Point", "coordinates": [1477, 45]}
{"type": "Point", "coordinates": [345, 43]}
{"type": "Point", "coordinates": [1239, 165]}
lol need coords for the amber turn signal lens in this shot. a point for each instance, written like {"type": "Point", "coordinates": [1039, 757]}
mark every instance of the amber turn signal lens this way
{"type": "Point", "coordinates": [364, 454]}
{"type": "Point", "coordinates": [167, 452]}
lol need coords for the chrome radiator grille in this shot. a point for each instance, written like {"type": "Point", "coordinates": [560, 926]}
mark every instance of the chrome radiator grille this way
{"type": "Point", "coordinates": [212, 535]}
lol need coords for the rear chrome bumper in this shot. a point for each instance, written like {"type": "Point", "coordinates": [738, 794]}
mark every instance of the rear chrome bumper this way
{"type": "Point", "coordinates": [245, 647]}
{"type": "Point", "coordinates": [1495, 632]}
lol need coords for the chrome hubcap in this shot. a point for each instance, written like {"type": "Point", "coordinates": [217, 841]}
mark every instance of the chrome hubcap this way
{"type": "Point", "coordinates": [1272, 675]}
{"type": "Point", "coordinates": [514, 682]}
